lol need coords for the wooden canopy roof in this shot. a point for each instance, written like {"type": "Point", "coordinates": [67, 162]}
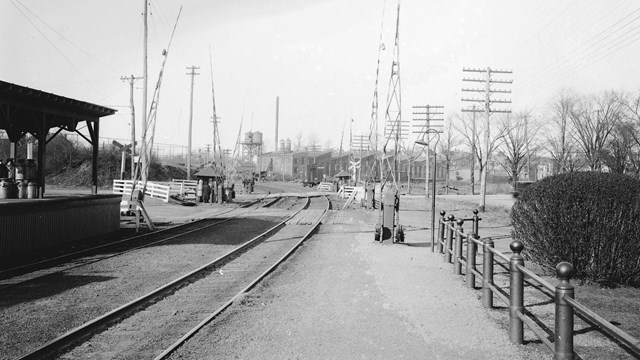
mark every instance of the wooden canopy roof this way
{"type": "Point", "coordinates": [26, 110]}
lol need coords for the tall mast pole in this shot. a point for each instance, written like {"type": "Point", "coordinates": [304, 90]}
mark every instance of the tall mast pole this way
{"type": "Point", "coordinates": [192, 74]}
{"type": "Point", "coordinates": [143, 146]}
{"type": "Point", "coordinates": [133, 131]}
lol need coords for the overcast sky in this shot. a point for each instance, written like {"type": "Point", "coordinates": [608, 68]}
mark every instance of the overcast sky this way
{"type": "Point", "coordinates": [318, 56]}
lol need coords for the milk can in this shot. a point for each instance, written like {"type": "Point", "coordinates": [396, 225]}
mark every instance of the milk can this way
{"type": "Point", "coordinates": [31, 170]}
{"type": "Point", "coordinates": [32, 190]}
{"type": "Point", "coordinates": [11, 169]}
{"type": "Point", "coordinates": [20, 167]}
{"type": "Point", "coordinates": [8, 189]}
{"type": "Point", "coordinates": [22, 189]}
{"type": "Point", "coordinates": [4, 188]}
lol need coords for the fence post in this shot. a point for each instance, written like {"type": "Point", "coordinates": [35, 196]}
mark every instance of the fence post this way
{"type": "Point", "coordinates": [471, 260]}
{"type": "Point", "coordinates": [564, 313]}
{"type": "Point", "coordinates": [441, 230]}
{"type": "Point", "coordinates": [516, 293]}
{"type": "Point", "coordinates": [476, 222]}
{"type": "Point", "coordinates": [487, 273]}
{"type": "Point", "coordinates": [449, 245]}
{"type": "Point", "coordinates": [457, 254]}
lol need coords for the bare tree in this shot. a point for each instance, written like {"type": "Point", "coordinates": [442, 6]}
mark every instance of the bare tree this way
{"type": "Point", "coordinates": [465, 129]}
{"type": "Point", "coordinates": [618, 153]}
{"type": "Point", "coordinates": [559, 144]}
{"type": "Point", "coordinates": [516, 144]}
{"type": "Point", "coordinates": [631, 113]}
{"type": "Point", "coordinates": [412, 153]}
{"type": "Point", "coordinates": [593, 119]}
{"type": "Point", "coordinates": [448, 142]}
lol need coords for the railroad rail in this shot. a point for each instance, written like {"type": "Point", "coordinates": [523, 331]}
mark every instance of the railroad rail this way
{"type": "Point", "coordinates": [129, 244]}
{"type": "Point", "coordinates": [451, 241]}
{"type": "Point", "coordinates": [189, 283]}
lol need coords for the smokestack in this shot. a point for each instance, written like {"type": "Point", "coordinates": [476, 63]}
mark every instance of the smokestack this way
{"type": "Point", "coordinates": [277, 115]}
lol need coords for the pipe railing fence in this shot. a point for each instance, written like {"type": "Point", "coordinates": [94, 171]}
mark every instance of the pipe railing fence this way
{"type": "Point", "coordinates": [451, 242]}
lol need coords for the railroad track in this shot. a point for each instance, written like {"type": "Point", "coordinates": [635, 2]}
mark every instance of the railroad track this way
{"type": "Point", "coordinates": [166, 317]}
{"type": "Point", "coordinates": [28, 272]}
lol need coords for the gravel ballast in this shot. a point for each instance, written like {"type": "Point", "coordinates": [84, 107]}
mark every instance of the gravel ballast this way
{"type": "Point", "coordinates": [344, 296]}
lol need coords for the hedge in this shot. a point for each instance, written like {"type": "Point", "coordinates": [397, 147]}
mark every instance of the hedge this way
{"type": "Point", "coordinates": [589, 219]}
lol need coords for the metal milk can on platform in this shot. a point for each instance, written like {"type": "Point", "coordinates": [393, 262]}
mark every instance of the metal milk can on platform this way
{"type": "Point", "coordinates": [31, 170]}
{"type": "Point", "coordinates": [8, 189]}
{"type": "Point", "coordinates": [11, 169]}
{"type": "Point", "coordinates": [22, 189]}
{"type": "Point", "coordinates": [32, 190]}
{"type": "Point", "coordinates": [20, 167]}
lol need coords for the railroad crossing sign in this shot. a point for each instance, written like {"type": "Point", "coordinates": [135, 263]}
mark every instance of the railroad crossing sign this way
{"type": "Point", "coordinates": [123, 148]}
{"type": "Point", "coordinates": [355, 165]}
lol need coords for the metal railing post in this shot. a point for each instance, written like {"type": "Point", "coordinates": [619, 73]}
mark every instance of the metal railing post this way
{"type": "Point", "coordinates": [472, 249]}
{"type": "Point", "coordinates": [516, 293]}
{"type": "Point", "coordinates": [441, 230]}
{"type": "Point", "coordinates": [449, 245]}
{"type": "Point", "coordinates": [457, 253]}
{"type": "Point", "coordinates": [487, 273]}
{"type": "Point", "coordinates": [476, 222]}
{"type": "Point", "coordinates": [564, 313]}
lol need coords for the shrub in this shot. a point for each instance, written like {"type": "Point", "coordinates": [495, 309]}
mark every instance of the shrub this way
{"type": "Point", "coordinates": [591, 220]}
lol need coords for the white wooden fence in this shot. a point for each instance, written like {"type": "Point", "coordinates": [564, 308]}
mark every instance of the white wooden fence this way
{"type": "Point", "coordinates": [153, 190]}
{"type": "Point", "coordinates": [325, 186]}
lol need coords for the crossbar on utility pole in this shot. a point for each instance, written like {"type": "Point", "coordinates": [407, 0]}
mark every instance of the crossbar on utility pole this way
{"type": "Point", "coordinates": [488, 110]}
{"type": "Point", "coordinates": [432, 120]}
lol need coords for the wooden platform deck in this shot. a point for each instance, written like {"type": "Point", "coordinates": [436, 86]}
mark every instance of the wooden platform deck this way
{"type": "Point", "coordinates": [35, 226]}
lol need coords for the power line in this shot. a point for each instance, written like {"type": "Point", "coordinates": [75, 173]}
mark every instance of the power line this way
{"type": "Point", "coordinates": [543, 78]}
{"type": "Point", "coordinates": [488, 111]}
{"type": "Point", "coordinates": [55, 47]}
{"type": "Point", "coordinates": [64, 38]}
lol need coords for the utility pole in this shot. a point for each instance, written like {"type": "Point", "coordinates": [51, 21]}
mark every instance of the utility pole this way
{"type": "Point", "coordinates": [488, 110]}
{"type": "Point", "coordinates": [145, 76]}
{"type": "Point", "coordinates": [425, 124]}
{"type": "Point", "coordinates": [131, 79]}
{"type": "Point", "coordinates": [472, 176]}
{"type": "Point", "coordinates": [526, 138]}
{"type": "Point", "coordinates": [192, 74]}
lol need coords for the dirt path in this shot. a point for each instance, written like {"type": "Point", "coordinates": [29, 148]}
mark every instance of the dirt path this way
{"type": "Point", "coordinates": [344, 296]}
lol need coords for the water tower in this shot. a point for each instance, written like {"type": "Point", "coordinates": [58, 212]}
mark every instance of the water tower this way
{"type": "Point", "coordinates": [252, 145]}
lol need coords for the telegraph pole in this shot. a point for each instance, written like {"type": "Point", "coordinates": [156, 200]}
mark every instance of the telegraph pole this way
{"type": "Point", "coordinates": [428, 117]}
{"type": "Point", "coordinates": [131, 79]}
{"type": "Point", "coordinates": [472, 177]}
{"type": "Point", "coordinates": [145, 76]}
{"type": "Point", "coordinates": [488, 110]}
{"type": "Point", "coordinates": [193, 73]}
{"type": "Point", "coordinates": [526, 138]}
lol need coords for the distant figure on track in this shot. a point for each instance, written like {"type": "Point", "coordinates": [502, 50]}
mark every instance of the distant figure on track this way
{"type": "Point", "coordinates": [206, 192]}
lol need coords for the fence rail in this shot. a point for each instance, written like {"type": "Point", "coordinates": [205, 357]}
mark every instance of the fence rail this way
{"type": "Point", "coordinates": [450, 242]}
{"type": "Point", "coordinates": [153, 190]}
